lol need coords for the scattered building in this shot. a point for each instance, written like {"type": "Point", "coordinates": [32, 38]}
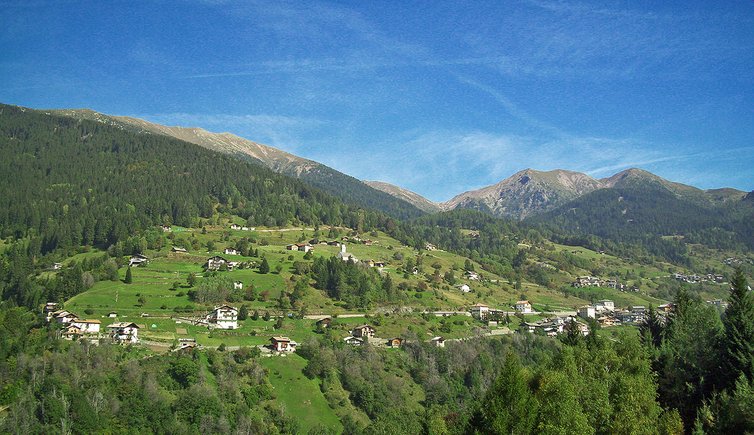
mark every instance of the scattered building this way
{"type": "Point", "coordinates": [178, 249]}
{"type": "Point", "coordinates": [166, 228]}
{"type": "Point", "coordinates": [63, 316]}
{"type": "Point", "coordinates": [230, 251]}
{"type": "Point", "coordinates": [57, 266]}
{"type": "Point", "coordinates": [235, 227]}
{"type": "Point", "coordinates": [86, 326]}
{"type": "Point", "coordinates": [217, 262]}
{"type": "Point", "coordinates": [354, 341]}
{"type": "Point", "coordinates": [395, 342]}
{"type": "Point", "coordinates": [49, 309]}
{"type": "Point", "coordinates": [587, 312]}
{"type": "Point", "coordinates": [523, 307]}
{"type": "Point", "coordinates": [480, 311]}
{"type": "Point", "coordinates": [430, 247]}
{"type": "Point", "coordinates": [471, 275]}
{"type": "Point", "coordinates": [604, 305]}
{"type": "Point", "coordinates": [437, 341]}
{"type": "Point", "coordinates": [223, 317]}
{"type": "Point", "coordinates": [345, 256]}
{"type": "Point", "coordinates": [363, 331]}
{"type": "Point", "coordinates": [237, 285]}
{"type": "Point", "coordinates": [124, 332]}
{"type": "Point", "coordinates": [137, 260]}
{"type": "Point", "coordinates": [283, 344]}
{"type": "Point", "coordinates": [324, 322]}
{"type": "Point", "coordinates": [464, 288]}
{"type": "Point", "coordinates": [71, 333]}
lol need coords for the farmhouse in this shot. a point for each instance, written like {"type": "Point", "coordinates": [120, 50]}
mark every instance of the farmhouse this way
{"type": "Point", "coordinates": [324, 322]}
{"type": "Point", "coordinates": [523, 307]}
{"type": "Point", "coordinates": [587, 312]}
{"type": "Point", "coordinates": [137, 260]}
{"type": "Point", "coordinates": [363, 331]}
{"type": "Point", "coordinates": [63, 316]}
{"type": "Point", "coordinates": [124, 332]}
{"type": "Point", "coordinates": [223, 317]}
{"type": "Point", "coordinates": [179, 249]}
{"type": "Point", "coordinates": [71, 333]}
{"type": "Point", "coordinates": [464, 288]}
{"type": "Point", "coordinates": [235, 227]}
{"type": "Point", "coordinates": [216, 262]}
{"type": "Point", "coordinates": [237, 285]}
{"type": "Point", "coordinates": [230, 251]}
{"type": "Point", "coordinates": [166, 228]}
{"type": "Point", "coordinates": [354, 341]}
{"type": "Point", "coordinates": [437, 341]}
{"type": "Point", "coordinates": [283, 344]}
{"type": "Point", "coordinates": [471, 275]}
{"type": "Point", "coordinates": [480, 311]}
{"type": "Point", "coordinates": [57, 266]}
{"type": "Point", "coordinates": [49, 309]}
{"type": "Point", "coordinates": [87, 326]}
{"type": "Point", "coordinates": [395, 342]}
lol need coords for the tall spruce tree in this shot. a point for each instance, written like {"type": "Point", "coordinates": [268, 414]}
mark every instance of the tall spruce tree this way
{"type": "Point", "coordinates": [738, 342]}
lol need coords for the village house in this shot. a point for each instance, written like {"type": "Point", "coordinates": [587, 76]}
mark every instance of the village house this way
{"type": "Point", "coordinates": [437, 341]}
{"type": "Point", "coordinates": [430, 247]}
{"type": "Point", "coordinates": [230, 251]}
{"type": "Point", "coordinates": [587, 312]}
{"type": "Point", "coordinates": [523, 307]}
{"type": "Point", "coordinates": [178, 249]}
{"type": "Point", "coordinates": [223, 317]}
{"type": "Point", "coordinates": [237, 285]}
{"type": "Point", "coordinates": [667, 308]}
{"type": "Point", "coordinates": [345, 256]}
{"type": "Point", "coordinates": [71, 333]}
{"type": "Point", "coordinates": [324, 322]}
{"type": "Point", "coordinates": [216, 262]}
{"type": "Point", "coordinates": [363, 331]}
{"type": "Point", "coordinates": [283, 344]}
{"type": "Point", "coordinates": [587, 281]}
{"type": "Point", "coordinates": [112, 314]}
{"type": "Point", "coordinates": [604, 305]}
{"type": "Point", "coordinates": [464, 288]}
{"type": "Point", "coordinates": [480, 311]}
{"type": "Point", "coordinates": [379, 264]}
{"type": "Point", "coordinates": [63, 316]}
{"type": "Point", "coordinates": [235, 227]}
{"type": "Point", "coordinates": [49, 308]}
{"type": "Point", "coordinates": [137, 260]}
{"type": "Point", "coordinates": [166, 228]}
{"type": "Point", "coordinates": [57, 266]}
{"type": "Point", "coordinates": [87, 326]}
{"type": "Point", "coordinates": [395, 342]}
{"type": "Point", "coordinates": [124, 332]}
{"type": "Point", "coordinates": [471, 275]}
{"type": "Point", "coordinates": [607, 320]}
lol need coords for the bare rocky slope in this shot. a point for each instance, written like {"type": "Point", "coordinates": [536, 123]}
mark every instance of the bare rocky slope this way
{"type": "Point", "coordinates": [414, 198]}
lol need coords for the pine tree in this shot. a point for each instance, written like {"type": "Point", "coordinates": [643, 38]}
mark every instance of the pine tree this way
{"type": "Point", "coordinates": [243, 312]}
{"type": "Point", "coordinates": [129, 278]}
{"type": "Point", "coordinates": [738, 342]}
{"type": "Point", "coordinates": [264, 267]}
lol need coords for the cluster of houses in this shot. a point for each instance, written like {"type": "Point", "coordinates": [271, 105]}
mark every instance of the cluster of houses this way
{"type": "Point", "coordinates": [75, 328]}
{"type": "Point", "coordinates": [302, 247]}
{"type": "Point", "coordinates": [483, 312]}
{"type": "Point", "coordinates": [606, 314]}
{"type": "Point", "coordinates": [554, 326]}
{"type": "Point", "coordinates": [217, 262]}
{"type": "Point", "coordinates": [241, 228]}
{"type": "Point", "coordinates": [592, 281]}
{"type": "Point", "coordinates": [695, 279]}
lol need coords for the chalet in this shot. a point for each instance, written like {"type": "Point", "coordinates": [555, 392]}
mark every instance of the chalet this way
{"type": "Point", "coordinates": [49, 308]}
{"type": "Point", "coordinates": [235, 227]}
{"type": "Point", "coordinates": [304, 247]}
{"type": "Point", "coordinates": [464, 288]}
{"type": "Point", "coordinates": [237, 285]}
{"type": "Point", "coordinates": [667, 308]}
{"type": "Point", "coordinates": [124, 332]}
{"type": "Point", "coordinates": [395, 342]}
{"type": "Point", "coordinates": [354, 341]}
{"type": "Point", "coordinates": [587, 312]}
{"type": "Point", "coordinates": [324, 322]}
{"type": "Point", "coordinates": [230, 251]}
{"type": "Point", "coordinates": [179, 250]}
{"type": "Point", "coordinates": [480, 311]}
{"type": "Point", "coordinates": [345, 256]}
{"type": "Point", "coordinates": [283, 344]}
{"type": "Point", "coordinates": [71, 333]}
{"type": "Point", "coordinates": [523, 307]}
{"type": "Point", "coordinates": [216, 262]}
{"type": "Point", "coordinates": [137, 260]}
{"type": "Point", "coordinates": [63, 316]}
{"type": "Point", "coordinates": [608, 320]}
{"type": "Point", "coordinates": [437, 341]}
{"type": "Point", "coordinates": [471, 275]}
{"type": "Point", "coordinates": [223, 317]}
{"type": "Point", "coordinates": [87, 326]}
{"type": "Point", "coordinates": [363, 331]}
{"type": "Point", "coordinates": [604, 305]}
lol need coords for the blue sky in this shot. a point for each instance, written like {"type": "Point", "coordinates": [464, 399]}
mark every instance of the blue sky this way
{"type": "Point", "coordinates": [437, 97]}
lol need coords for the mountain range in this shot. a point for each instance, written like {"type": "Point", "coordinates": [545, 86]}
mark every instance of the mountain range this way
{"type": "Point", "coordinates": [523, 195]}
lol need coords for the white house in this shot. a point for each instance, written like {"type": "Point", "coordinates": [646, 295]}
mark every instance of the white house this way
{"type": "Point", "coordinates": [223, 317]}
{"type": "Point", "coordinates": [235, 227]}
{"type": "Point", "coordinates": [437, 341]}
{"type": "Point", "coordinates": [480, 311]}
{"type": "Point", "coordinates": [237, 285]}
{"type": "Point", "coordinates": [354, 341]}
{"type": "Point", "coordinates": [178, 249]}
{"type": "Point", "coordinates": [230, 251]}
{"type": "Point", "coordinates": [124, 332]}
{"type": "Point", "coordinates": [524, 307]}
{"type": "Point", "coordinates": [137, 260]}
{"type": "Point", "coordinates": [70, 333]}
{"type": "Point", "coordinates": [63, 316]}
{"type": "Point", "coordinates": [49, 309]}
{"type": "Point", "coordinates": [283, 344]}
{"type": "Point", "coordinates": [87, 326]}
{"type": "Point", "coordinates": [471, 275]}
{"type": "Point", "coordinates": [216, 262]}
{"type": "Point", "coordinates": [604, 305]}
{"type": "Point", "coordinates": [587, 312]}
{"type": "Point", "coordinates": [464, 288]}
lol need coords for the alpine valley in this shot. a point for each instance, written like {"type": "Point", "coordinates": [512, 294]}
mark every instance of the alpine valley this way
{"type": "Point", "coordinates": [160, 279]}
